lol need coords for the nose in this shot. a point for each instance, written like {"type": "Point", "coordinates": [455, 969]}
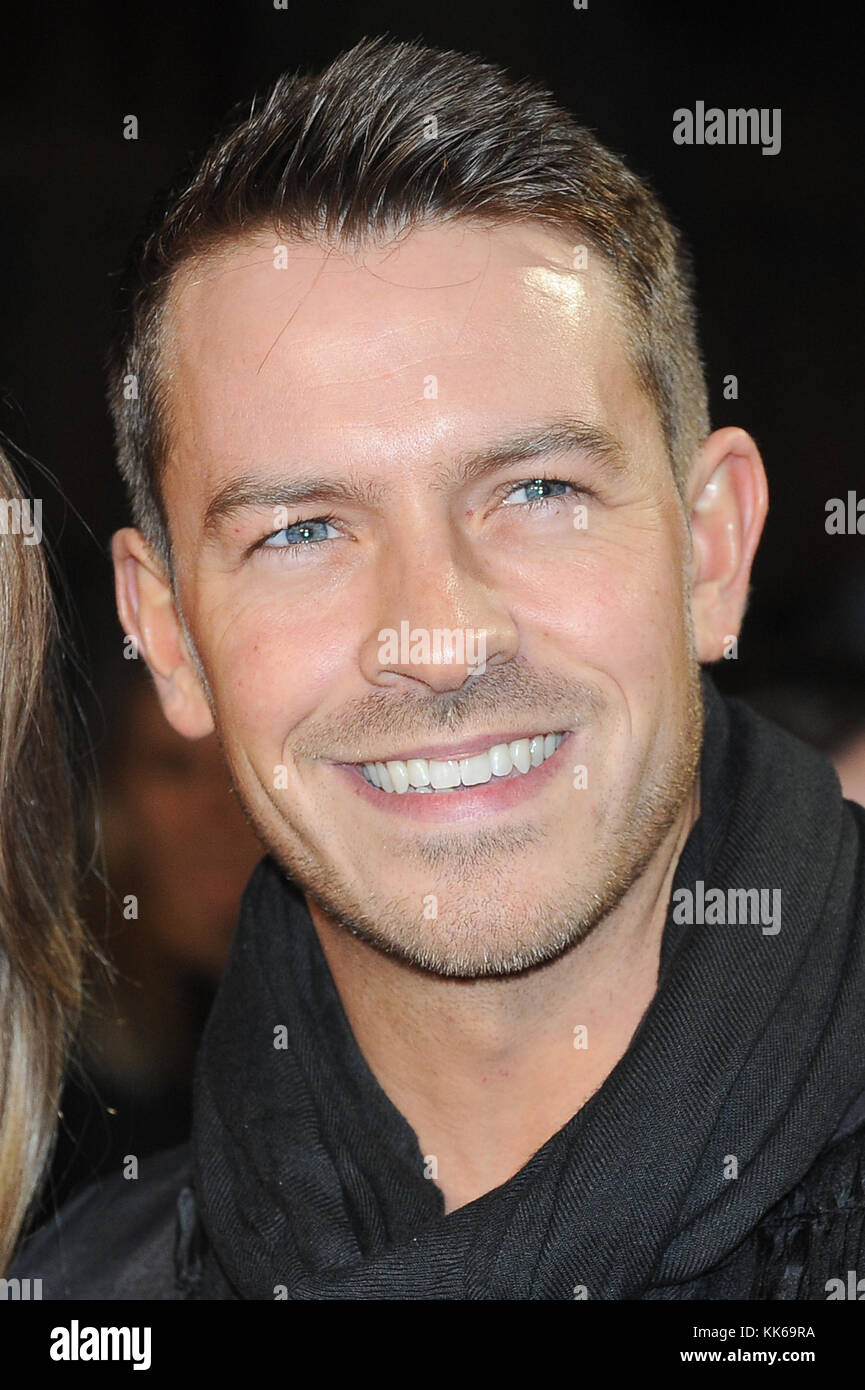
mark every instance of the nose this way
{"type": "Point", "coordinates": [439, 620]}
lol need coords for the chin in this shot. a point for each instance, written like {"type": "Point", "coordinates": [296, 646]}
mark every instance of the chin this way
{"type": "Point", "coordinates": [490, 936]}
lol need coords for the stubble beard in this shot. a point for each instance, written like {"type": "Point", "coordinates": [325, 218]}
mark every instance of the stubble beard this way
{"type": "Point", "coordinates": [491, 937]}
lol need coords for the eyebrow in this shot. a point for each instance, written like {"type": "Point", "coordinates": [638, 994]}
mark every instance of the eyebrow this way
{"type": "Point", "coordinates": [562, 435]}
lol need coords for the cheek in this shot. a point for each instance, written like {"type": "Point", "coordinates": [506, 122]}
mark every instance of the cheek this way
{"type": "Point", "coordinates": [612, 606]}
{"type": "Point", "coordinates": [270, 668]}
{"type": "Point", "coordinates": [641, 625]}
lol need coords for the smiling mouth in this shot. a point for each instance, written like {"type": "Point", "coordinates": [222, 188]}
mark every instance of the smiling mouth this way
{"type": "Point", "coordinates": [495, 764]}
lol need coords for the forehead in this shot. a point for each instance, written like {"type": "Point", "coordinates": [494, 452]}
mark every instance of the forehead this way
{"type": "Point", "coordinates": [389, 349]}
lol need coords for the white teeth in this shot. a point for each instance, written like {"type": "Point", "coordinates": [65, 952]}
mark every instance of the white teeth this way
{"type": "Point", "coordinates": [520, 755]}
{"type": "Point", "coordinates": [418, 773]}
{"type": "Point", "coordinates": [442, 775]}
{"type": "Point", "coordinates": [398, 775]}
{"type": "Point", "coordinates": [433, 774]}
{"type": "Point", "coordinates": [501, 762]}
{"type": "Point", "coordinates": [474, 771]}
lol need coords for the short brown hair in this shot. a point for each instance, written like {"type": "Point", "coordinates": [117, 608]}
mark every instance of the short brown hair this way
{"type": "Point", "coordinates": [344, 156]}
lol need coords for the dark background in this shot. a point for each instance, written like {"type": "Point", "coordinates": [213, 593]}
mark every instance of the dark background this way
{"type": "Point", "coordinates": [776, 239]}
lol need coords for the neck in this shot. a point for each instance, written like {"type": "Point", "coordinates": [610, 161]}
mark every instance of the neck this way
{"type": "Point", "coordinates": [486, 1071]}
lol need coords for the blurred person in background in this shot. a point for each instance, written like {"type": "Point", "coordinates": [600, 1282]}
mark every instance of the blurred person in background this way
{"type": "Point", "coordinates": [42, 940]}
{"type": "Point", "coordinates": [814, 680]}
{"type": "Point", "coordinates": [850, 765]}
{"type": "Point", "coordinates": [178, 853]}
{"type": "Point", "coordinates": [826, 708]}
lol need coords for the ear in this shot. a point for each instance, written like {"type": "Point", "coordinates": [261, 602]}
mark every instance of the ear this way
{"type": "Point", "coordinates": [145, 606]}
{"type": "Point", "coordinates": [728, 498]}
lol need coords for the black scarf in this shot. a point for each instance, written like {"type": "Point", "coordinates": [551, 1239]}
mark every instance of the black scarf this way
{"type": "Point", "coordinates": [310, 1183]}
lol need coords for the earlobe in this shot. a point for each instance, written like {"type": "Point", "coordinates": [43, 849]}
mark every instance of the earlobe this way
{"type": "Point", "coordinates": [728, 504]}
{"type": "Point", "coordinates": [147, 612]}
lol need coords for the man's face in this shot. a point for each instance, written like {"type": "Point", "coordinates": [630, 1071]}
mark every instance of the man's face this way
{"type": "Point", "coordinates": [413, 610]}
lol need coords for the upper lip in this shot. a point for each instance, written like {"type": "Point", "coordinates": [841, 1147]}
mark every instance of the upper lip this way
{"type": "Point", "coordinates": [450, 752]}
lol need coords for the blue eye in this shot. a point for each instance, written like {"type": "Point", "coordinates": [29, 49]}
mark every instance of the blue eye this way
{"type": "Point", "coordinates": [300, 533]}
{"type": "Point", "coordinates": [534, 487]}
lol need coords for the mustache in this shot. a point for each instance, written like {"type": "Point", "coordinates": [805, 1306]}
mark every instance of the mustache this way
{"type": "Point", "coordinates": [517, 693]}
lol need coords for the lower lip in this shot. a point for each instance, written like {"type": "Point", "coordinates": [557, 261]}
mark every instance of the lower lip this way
{"type": "Point", "coordinates": [499, 794]}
